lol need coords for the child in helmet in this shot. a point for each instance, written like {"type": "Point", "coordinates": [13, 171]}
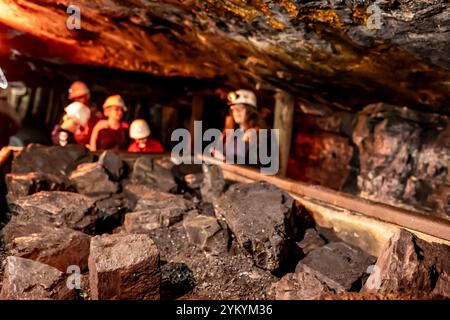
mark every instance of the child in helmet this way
{"type": "Point", "coordinates": [79, 92]}
{"type": "Point", "coordinates": [76, 116]}
{"type": "Point", "coordinates": [111, 133]}
{"type": "Point", "coordinates": [140, 132]}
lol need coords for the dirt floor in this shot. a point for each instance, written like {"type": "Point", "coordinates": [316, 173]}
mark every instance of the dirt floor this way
{"type": "Point", "coordinates": [229, 275]}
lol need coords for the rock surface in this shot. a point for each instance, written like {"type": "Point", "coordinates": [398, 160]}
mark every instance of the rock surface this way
{"type": "Point", "coordinates": [59, 161]}
{"type": "Point", "coordinates": [124, 267]}
{"type": "Point", "coordinates": [59, 208]}
{"type": "Point", "coordinates": [408, 264]}
{"type": "Point", "coordinates": [146, 220]}
{"type": "Point", "coordinates": [176, 280]}
{"type": "Point", "coordinates": [311, 241]}
{"type": "Point", "coordinates": [147, 198]}
{"type": "Point", "coordinates": [150, 173]}
{"type": "Point", "coordinates": [201, 229]}
{"type": "Point", "coordinates": [262, 217]}
{"type": "Point", "coordinates": [213, 184]}
{"type": "Point", "coordinates": [56, 247]}
{"type": "Point", "coordinates": [298, 286]}
{"type": "Point", "coordinates": [321, 158]}
{"type": "Point", "coordinates": [344, 54]}
{"type": "Point", "coordinates": [338, 265]}
{"type": "Point", "coordinates": [26, 279]}
{"type": "Point", "coordinates": [20, 185]}
{"type": "Point", "coordinates": [404, 156]}
{"type": "Point", "coordinates": [153, 199]}
{"type": "Point", "coordinates": [229, 275]}
{"type": "Point", "coordinates": [92, 179]}
{"type": "Point", "coordinates": [113, 164]}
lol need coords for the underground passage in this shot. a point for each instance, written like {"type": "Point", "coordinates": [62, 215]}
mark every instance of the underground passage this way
{"type": "Point", "coordinates": [224, 150]}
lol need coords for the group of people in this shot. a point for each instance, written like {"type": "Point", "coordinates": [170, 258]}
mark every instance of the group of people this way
{"type": "Point", "coordinates": [83, 124]}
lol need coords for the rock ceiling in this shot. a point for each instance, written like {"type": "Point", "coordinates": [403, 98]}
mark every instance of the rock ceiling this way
{"type": "Point", "coordinates": [322, 51]}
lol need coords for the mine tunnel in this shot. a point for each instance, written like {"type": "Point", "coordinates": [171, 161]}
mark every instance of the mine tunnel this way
{"type": "Point", "coordinates": [357, 92]}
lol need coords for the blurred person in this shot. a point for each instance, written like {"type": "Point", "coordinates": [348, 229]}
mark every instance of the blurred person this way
{"type": "Point", "coordinates": [76, 116]}
{"type": "Point", "coordinates": [140, 132]}
{"type": "Point", "coordinates": [112, 132]}
{"type": "Point", "coordinates": [244, 116]}
{"type": "Point", "coordinates": [79, 92]}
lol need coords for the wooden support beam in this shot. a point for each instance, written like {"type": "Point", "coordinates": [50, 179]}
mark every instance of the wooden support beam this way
{"type": "Point", "coordinates": [284, 119]}
{"type": "Point", "coordinates": [198, 103]}
{"type": "Point", "coordinates": [169, 123]}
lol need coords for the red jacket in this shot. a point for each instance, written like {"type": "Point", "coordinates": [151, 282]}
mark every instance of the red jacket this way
{"type": "Point", "coordinates": [152, 145]}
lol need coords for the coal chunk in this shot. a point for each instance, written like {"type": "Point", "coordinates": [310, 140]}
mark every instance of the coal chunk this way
{"type": "Point", "coordinates": [311, 241]}
{"type": "Point", "coordinates": [213, 184]}
{"type": "Point", "coordinates": [59, 161]}
{"type": "Point", "coordinates": [148, 198]}
{"type": "Point", "coordinates": [409, 264]}
{"type": "Point", "coordinates": [298, 286]}
{"type": "Point", "coordinates": [113, 165]}
{"type": "Point", "coordinates": [59, 208]}
{"type": "Point", "coordinates": [176, 280]}
{"type": "Point", "coordinates": [92, 179]}
{"type": "Point", "coordinates": [124, 267]}
{"type": "Point", "coordinates": [20, 185]}
{"type": "Point", "coordinates": [146, 220]}
{"type": "Point", "coordinates": [201, 229]}
{"type": "Point", "coordinates": [110, 212]}
{"type": "Point", "coordinates": [262, 217]}
{"type": "Point", "coordinates": [340, 266]}
{"type": "Point", "coordinates": [153, 174]}
{"type": "Point", "coordinates": [26, 279]}
{"type": "Point", "coordinates": [56, 247]}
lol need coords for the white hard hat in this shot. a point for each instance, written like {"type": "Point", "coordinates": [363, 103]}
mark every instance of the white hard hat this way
{"type": "Point", "coordinates": [139, 129]}
{"type": "Point", "coordinates": [115, 101]}
{"type": "Point", "coordinates": [242, 96]}
{"type": "Point", "coordinates": [79, 112]}
{"type": "Point", "coordinates": [78, 89]}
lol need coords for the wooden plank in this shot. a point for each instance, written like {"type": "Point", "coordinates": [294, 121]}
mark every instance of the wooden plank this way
{"type": "Point", "coordinates": [362, 231]}
{"type": "Point", "coordinates": [418, 221]}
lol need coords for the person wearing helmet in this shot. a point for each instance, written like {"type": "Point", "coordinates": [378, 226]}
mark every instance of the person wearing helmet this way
{"type": "Point", "coordinates": [140, 132]}
{"type": "Point", "coordinates": [79, 92]}
{"type": "Point", "coordinates": [244, 116]}
{"type": "Point", "coordinates": [111, 133]}
{"type": "Point", "coordinates": [76, 115]}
